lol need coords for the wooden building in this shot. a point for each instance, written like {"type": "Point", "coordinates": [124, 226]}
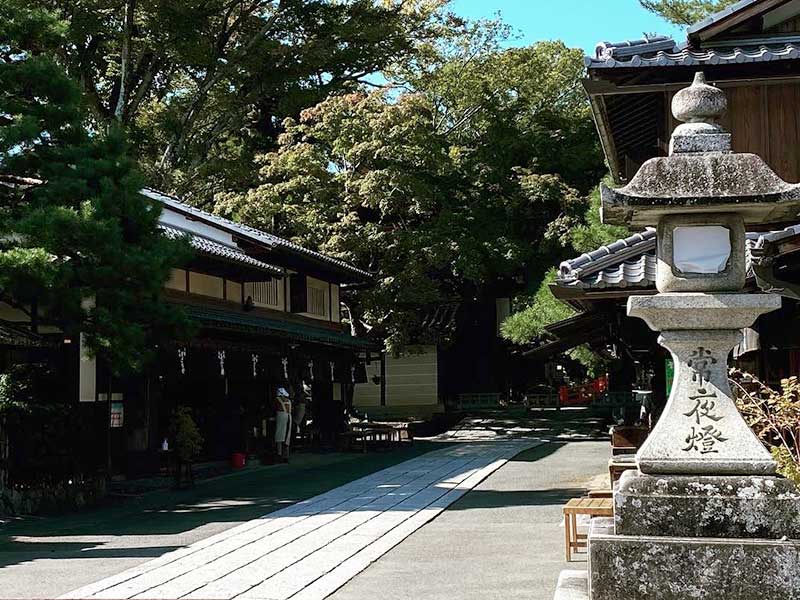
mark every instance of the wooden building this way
{"type": "Point", "coordinates": [266, 313]}
{"type": "Point", "coordinates": [752, 51]}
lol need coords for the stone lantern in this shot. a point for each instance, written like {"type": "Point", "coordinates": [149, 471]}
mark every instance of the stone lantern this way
{"type": "Point", "coordinates": [704, 516]}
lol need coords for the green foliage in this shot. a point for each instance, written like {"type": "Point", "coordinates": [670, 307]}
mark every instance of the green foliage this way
{"type": "Point", "coordinates": [441, 191]}
{"type": "Point", "coordinates": [187, 441]}
{"type": "Point", "coordinates": [24, 393]}
{"type": "Point", "coordinates": [80, 246]}
{"type": "Point", "coordinates": [544, 309]}
{"type": "Point", "coordinates": [774, 416]}
{"type": "Point", "coordinates": [592, 233]}
{"type": "Point", "coordinates": [594, 364]}
{"type": "Point", "coordinates": [202, 85]}
{"type": "Point", "coordinates": [788, 466]}
{"type": "Point", "coordinates": [685, 12]}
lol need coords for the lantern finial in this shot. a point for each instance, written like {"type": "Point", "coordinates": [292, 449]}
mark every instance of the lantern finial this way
{"type": "Point", "coordinates": [700, 102]}
{"type": "Point", "coordinates": [700, 106]}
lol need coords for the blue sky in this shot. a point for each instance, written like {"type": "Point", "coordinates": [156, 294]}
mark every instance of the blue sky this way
{"type": "Point", "coordinates": [579, 23]}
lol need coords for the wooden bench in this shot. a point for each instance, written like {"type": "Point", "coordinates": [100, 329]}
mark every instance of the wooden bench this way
{"type": "Point", "coordinates": [348, 438]}
{"type": "Point", "coordinates": [375, 432]}
{"type": "Point", "coordinates": [594, 507]}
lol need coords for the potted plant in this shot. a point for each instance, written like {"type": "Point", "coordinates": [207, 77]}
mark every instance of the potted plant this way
{"type": "Point", "coordinates": [187, 443]}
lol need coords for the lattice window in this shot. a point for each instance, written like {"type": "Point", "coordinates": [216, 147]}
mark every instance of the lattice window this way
{"type": "Point", "coordinates": [264, 293]}
{"type": "Point", "coordinates": [318, 301]}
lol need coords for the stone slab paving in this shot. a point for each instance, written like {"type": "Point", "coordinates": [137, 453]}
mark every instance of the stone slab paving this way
{"type": "Point", "coordinates": [309, 550]}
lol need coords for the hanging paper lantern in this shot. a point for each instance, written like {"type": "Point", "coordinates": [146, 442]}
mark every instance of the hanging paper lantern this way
{"type": "Point", "coordinates": [182, 360]}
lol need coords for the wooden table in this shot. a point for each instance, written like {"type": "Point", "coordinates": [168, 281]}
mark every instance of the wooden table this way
{"type": "Point", "coordinates": [594, 507]}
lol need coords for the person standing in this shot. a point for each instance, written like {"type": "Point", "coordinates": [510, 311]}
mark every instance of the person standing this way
{"type": "Point", "coordinates": [283, 423]}
{"type": "Point", "coordinates": [302, 400]}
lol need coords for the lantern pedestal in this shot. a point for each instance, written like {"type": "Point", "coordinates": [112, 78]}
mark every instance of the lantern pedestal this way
{"type": "Point", "coordinates": [701, 431]}
{"type": "Point", "coordinates": [705, 499]}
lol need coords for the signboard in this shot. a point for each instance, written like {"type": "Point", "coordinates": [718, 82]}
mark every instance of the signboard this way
{"type": "Point", "coordinates": [117, 412]}
{"type": "Point", "coordinates": [669, 370]}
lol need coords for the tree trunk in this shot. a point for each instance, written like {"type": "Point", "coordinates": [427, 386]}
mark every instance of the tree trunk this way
{"type": "Point", "coordinates": [125, 59]}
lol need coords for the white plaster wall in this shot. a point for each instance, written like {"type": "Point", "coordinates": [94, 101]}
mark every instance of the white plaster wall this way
{"type": "Point", "coordinates": [411, 380]}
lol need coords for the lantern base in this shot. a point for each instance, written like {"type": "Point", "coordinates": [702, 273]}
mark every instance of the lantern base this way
{"type": "Point", "coordinates": [707, 506]}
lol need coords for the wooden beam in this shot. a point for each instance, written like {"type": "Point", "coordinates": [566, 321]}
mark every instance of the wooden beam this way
{"type": "Point", "coordinates": [596, 87]}
{"type": "Point", "coordinates": [600, 115]}
{"type": "Point", "coordinates": [736, 18]}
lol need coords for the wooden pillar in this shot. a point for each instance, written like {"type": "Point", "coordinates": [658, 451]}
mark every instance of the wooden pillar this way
{"type": "Point", "coordinates": [383, 378]}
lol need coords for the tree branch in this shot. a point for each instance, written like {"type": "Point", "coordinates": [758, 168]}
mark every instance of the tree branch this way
{"type": "Point", "coordinates": [143, 88]}
{"type": "Point", "coordinates": [213, 75]}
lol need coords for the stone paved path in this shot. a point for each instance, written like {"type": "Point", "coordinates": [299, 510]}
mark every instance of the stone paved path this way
{"type": "Point", "coordinates": [309, 550]}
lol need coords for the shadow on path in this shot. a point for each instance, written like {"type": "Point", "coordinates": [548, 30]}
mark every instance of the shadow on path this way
{"type": "Point", "coordinates": [155, 523]}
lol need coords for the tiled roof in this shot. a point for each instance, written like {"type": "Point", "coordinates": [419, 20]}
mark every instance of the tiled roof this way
{"type": "Point", "coordinates": [442, 318]}
{"type": "Point", "coordinates": [256, 235]}
{"type": "Point", "coordinates": [650, 57]}
{"type": "Point", "coordinates": [607, 263]}
{"type": "Point", "coordinates": [16, 334]}
{"type": "Point", "coordinates": [638, 272]}
{"type": "Point", "coordinates": [765, 251]}
{"type": "Point", "coordinates": [631, 262]}
{"type": "Point", "coordinates": [647, 45]}
{"type": "Point", "coordinates": [213, 248]}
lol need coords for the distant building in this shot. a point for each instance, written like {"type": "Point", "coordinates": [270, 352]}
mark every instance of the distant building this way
{"type": "Point", "coordinates": [469, 368]}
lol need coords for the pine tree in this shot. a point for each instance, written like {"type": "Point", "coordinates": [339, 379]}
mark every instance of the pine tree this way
{"type": "Point", "coordinates": [685, 12]}
{"type": "Point", "coordinates": [79, 246]}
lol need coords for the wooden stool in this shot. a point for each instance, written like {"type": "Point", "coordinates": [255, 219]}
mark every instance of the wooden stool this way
{"type": "Point", "coordinates": [620, 463]}
{"type": "Point", "coordinates": [594, 507]}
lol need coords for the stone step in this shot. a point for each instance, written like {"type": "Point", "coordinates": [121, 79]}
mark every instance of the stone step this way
{"type": "Point", "coordinates": [572, 585]}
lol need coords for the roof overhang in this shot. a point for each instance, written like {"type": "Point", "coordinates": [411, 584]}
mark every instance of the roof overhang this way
{"type": "Point", "coordinates": [255, 324]}
{"type": "Point", "coordinates": [736, 46]}
{"type": "Point", "coordinates": [732, 16]}
{"type": "Point", "coordinates": [583, 328]}
{"type": "Point", "coordinates": [253, 241]}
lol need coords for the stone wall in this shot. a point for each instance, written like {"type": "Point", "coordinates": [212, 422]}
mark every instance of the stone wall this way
{"type": "Point", "coordinates": [52, 499]}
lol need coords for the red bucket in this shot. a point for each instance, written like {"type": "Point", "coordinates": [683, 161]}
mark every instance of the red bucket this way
{"type": "Point", "coordinates": [238, 460]}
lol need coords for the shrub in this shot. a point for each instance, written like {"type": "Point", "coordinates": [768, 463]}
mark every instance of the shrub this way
{"type": "Point", "coordinates": [774, 416]}
{"type": "Point", "coordinates": [187, 439]}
